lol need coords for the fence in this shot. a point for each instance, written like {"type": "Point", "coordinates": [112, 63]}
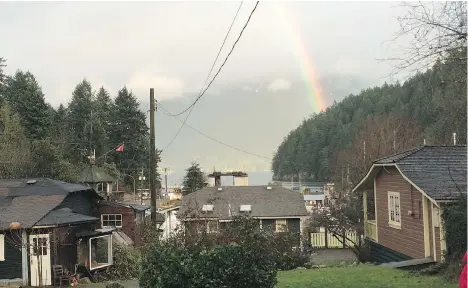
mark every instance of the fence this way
{"type": "Point", "coordinates": [326, 240]}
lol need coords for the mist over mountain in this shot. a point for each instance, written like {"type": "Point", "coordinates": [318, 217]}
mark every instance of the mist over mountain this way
{"type": "Point", "coordinates": [237, 114]}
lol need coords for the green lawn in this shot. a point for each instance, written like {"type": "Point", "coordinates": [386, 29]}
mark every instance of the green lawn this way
{"type": "Point", "coordinates": [362, 276]}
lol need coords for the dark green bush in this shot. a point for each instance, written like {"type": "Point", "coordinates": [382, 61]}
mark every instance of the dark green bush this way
{"type": "Point", "coordinates": [289, 254]}
{"type": "Point", "coordinates": [454, 217]}
{"type": "Point", "coordinates": [240, 255]}
{"type": "Point", "coordinates": [126, 263]}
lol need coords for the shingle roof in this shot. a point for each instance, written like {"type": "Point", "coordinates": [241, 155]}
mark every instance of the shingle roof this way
{"type": "Point", "coordinates": [64, 216]}
{"type": "Point", "coordinates": [27, 210]}
{"type": "Point", "coordinates": [29, 203]}
{"type": "Point", "coordinates": [38, 186]}
{"type": "Point", "coordinates": [440, 171]}
{"type": "Point", "coordinates": [136, 207]}
{"type": "Point", "coordinates": [276, 202]}
{"type": "Point", "coordinates": [95, 174]}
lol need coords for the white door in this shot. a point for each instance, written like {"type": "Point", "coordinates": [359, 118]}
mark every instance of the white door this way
{"type": "Point", "coordinates": [39, 259]}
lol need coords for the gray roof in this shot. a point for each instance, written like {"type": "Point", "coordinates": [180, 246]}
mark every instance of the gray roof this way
{"type": "Point", "coordinates": [159, 217]}
{"type": "Point", "coordinates": [64, 216]}
{"type": "Point", "coordinates": [136, 207]}
{"type": "Point", "coordinates": [276, 202]}
{"type": "Point", "coordinates": [29, 203]}
{"type": "Point", "coordinates": [440, 171]}
{"type": "Point", "coordinates": [94, 174]}
{"type": "Point", "coordinates": [38, 186]}
{"type": "Point", "coordinates": [27, 210]}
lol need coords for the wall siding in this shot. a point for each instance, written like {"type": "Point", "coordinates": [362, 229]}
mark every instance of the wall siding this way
{"type": "Point", "coordinates": [11, 268]}
{"type": "Point", "coordinates": [128, 218]}
{"type": "Point", "coordinates": [409, 240]}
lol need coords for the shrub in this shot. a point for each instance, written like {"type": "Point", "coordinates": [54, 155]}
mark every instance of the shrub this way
{"type": "Point", "coordinates": [289, 254]}
{"type": "Point", "coordinates": [241, 255]}
{"type": "Point", "coordinates": [126, 264]}
{"type": "Point", "coordinates": [454, 217]}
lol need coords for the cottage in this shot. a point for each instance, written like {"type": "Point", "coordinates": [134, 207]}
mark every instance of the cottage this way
{"type": "Point", "coordinates": [404, 196]}
{"type": "Point", "coordinates": [98, 179]}
{"type": "Point", "coordinates": [276, 208]}
{"type": "Point", "coordinates": [126, 218]}
{"type": "Point", "coordinates": [46, 223]}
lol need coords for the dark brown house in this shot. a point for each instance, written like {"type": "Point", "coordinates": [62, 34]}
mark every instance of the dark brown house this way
{"type": "Point", "coordinates": [404, 196]}
{"type": "Point", "coordinates": [126, 218]}
{"type": "Point", "coordinates": [45, 222]}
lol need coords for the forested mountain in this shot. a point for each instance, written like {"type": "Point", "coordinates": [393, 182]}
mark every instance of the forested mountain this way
{"type": "Point", "coordinates": [435, 100]}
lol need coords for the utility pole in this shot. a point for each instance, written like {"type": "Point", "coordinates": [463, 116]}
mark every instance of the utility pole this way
{"type": "Point", "coordinates": [165, 178]}
{"type": "Point", "coordinates": [152, 172]}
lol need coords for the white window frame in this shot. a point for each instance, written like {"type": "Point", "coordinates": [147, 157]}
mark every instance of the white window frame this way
{"type": "Point", "coordinates": [110, 256]}
{"type": "Point", "coordinates": [283, 223]}
{"type": "Point", "coordinates": [115, 221]}
{"type": "Point", "coordinates": [396, 222]}
{"type": "Point", "coordinates": [2, 247]}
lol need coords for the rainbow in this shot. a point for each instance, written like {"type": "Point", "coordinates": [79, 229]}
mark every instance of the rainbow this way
{"type": "Point", "coordinates": [309, 77]}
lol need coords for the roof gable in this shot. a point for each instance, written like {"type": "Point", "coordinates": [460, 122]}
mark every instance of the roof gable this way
{"type": "Point", "coordinates": [439, 171]}
{"type": "Point", "coordinates": [95, 174]}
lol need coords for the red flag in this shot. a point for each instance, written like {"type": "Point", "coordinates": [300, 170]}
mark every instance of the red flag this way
{"type": "Point", "coordinates": [120, 148]}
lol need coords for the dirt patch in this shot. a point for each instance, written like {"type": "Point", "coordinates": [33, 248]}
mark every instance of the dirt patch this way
{"type": "Point", "coordinates": [324, 256]}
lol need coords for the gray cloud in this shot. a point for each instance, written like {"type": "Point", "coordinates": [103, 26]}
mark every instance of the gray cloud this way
{"type": "Point", "coordinates": [170, 46]}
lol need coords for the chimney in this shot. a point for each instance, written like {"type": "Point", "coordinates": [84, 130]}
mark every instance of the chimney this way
{"type": "Point", "coordinates": [217, 180]}
{"type": "Point", "coordinates": [454, 139]}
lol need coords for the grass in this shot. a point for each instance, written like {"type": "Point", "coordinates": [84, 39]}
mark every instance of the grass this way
{"type": "Point", "coordinates": [362, 276]}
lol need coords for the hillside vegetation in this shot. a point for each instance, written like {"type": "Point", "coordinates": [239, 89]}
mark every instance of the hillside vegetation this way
{"type": "Point", "coordinates": [435, 100]}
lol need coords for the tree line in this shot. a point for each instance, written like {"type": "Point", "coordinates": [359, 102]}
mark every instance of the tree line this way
{"type": "Point", "coordinates": [427, 108]}
{"type": "Point", "coordinates": [57, 143]}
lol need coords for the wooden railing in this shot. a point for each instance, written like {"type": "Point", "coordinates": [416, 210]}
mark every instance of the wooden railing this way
{"type": "Point", "coordinates": [370, 229]}
{"type": "Point", "coordinates": [317, 240]}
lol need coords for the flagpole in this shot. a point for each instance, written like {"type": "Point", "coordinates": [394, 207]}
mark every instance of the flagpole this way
{"type": "Point", "coordinates": [113, 149]}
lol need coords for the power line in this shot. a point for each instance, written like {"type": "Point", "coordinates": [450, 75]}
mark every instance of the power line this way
{"type": "Point", "coordinates": [224, 62]}
{"type": "Point", "coordinates": [209, 74]}
{"type": "Point", "coordinates": [213, 139]}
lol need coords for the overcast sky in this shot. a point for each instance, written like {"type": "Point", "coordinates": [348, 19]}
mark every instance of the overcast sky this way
{"type": "Point", "coordinates": [262, 92]}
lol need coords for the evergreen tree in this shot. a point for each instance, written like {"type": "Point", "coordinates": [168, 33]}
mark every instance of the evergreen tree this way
{"type": "Point", "coordinates": [194, 179]}
{"type": "Point", "coordinates": [102, 108]}
{"type": "Point", "coordinates": [2, 78]}
{"type": "Point", "coordinates": [26, 99]}
{"type": "Point", "coordinates": [78, 120]}
{"type": "Point", "coordinates": [434, 103]}
{"type": "Point", "coordinates": [128, 126]}
{"type": "Point", "coordinates": [14, 147]}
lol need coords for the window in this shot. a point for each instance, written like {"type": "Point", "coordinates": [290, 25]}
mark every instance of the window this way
{"type": "Point", "coordinates": [394, 215]}
{"type": "Point", "coordinates": [212, 226]}
{"type": "Point", "coordinates": [281, 225]}
{"type": "Point", "coordinates": [319, 202]}
{"type": "Point", "coordinates": [2, 247]}
{"type": "Point", "coordinates": [111, 220]}
{"type": "Point", "coordinates": [100, 251]}
{"type": "Point", "coordinates": [40, 246]}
